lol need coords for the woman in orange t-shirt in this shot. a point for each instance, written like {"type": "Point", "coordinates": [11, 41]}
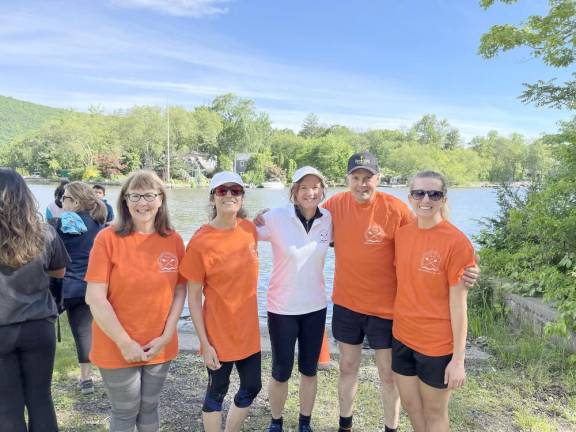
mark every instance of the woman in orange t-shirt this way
{"type": "Point", "coordinates": [430, 321]}
{"type": "Point", "coordinates": [221, 262]}
{"type": "Point", "coordinates": [136, 298]}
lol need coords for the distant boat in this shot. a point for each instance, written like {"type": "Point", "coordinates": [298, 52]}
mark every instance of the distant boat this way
{"type": "Point", "coordinates": [272, 184]}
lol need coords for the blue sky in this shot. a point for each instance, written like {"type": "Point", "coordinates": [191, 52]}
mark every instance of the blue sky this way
{"type": "Point", "coordinates": [364, 64]}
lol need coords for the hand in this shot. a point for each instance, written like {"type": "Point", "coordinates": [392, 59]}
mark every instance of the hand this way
{"type": "Point", "coordinates": [470, 276]}
{"type": "Point", "coordinates": [210, 357]}
{"type": "Point", "coordinates": [152, 348]}
{"type": "Point", "coordinates": [455, 375]}
{"type": "Point", "coordinates": [132, 352]}
{"type": "Point", "coordinates": [259, 218]}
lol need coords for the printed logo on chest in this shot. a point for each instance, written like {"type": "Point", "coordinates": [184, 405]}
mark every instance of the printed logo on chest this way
{"type": "Point", "coordinates": [323, 236]}
{"type": "Point", "coordinates": [430, 262]}
{"type": "Point", "coordinates": [374, 234]}
{"type": "Point", "coordinates": [168, 262]}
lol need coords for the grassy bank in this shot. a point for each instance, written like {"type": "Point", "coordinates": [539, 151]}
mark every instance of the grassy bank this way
{"type": "Point", "coordinates": [527, 385]}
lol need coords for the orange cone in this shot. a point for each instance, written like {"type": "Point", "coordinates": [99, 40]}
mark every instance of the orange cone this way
{"type": "Point", "coordinates": [324, 360]}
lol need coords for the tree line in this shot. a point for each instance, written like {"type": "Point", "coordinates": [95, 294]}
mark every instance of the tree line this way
{"type": "Point", "coordinates": [96, 146]}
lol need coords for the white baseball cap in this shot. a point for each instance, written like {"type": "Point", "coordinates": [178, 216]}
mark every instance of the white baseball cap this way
{"type": "Point", "coordinates": [225, 177]}
{"type": "Point", "coordinates": [307, 170]}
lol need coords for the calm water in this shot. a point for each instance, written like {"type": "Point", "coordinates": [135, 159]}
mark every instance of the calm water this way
{"type": "Point", "coordinates": [189, 210]}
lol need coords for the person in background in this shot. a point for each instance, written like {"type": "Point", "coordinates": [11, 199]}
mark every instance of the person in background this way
{"type": "Point", "coordinates": [30, 253]}
{"type": "Point", "coordinates": [221, 262]}
{"type": "Point", "coordinates": [100, 192]}
{"type": "Point", "coordinates": [300, 234]}
{"type": "Point", "coordinates": [83, 217]}
{"type": "Point", "coordinates": [54, 209]}
{"type": "Point", "coordinates": [136, 298]}
{"type": "Point", "coordinates": [430, 320]}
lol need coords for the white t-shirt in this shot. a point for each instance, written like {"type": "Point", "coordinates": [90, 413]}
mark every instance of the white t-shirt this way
{"type": "Point", "coordinates": [297, 280]}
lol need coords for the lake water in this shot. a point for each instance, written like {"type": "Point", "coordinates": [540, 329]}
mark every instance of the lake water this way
{"type": "Point", "coordinates": [189, 210]}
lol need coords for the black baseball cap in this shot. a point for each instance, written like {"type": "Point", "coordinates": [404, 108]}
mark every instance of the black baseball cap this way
{"type": "Point", "coordinates": [364, 160]}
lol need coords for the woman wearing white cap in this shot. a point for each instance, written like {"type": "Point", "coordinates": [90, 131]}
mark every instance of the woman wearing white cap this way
{"type": "Point", "coordinates": [300, 234]}
{"type": "Point", "coordinates": [221, 262]}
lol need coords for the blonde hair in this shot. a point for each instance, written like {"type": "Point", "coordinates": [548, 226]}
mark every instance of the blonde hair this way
{"type": "Point", "coordinates": [22, 229]}
{"type": "Point", "coordinates": [142, 179]}
{"type": "Point", "coordinates": [445, 210]}
{"type": "Point", "coordinates": [87, 200]}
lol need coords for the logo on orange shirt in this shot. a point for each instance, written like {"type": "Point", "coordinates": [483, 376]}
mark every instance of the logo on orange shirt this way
{"type": "Point", "coordinates": [168, 262]}
{"type": "Point", "coordinates": [430, 262]}
{"type": "Point", "coordinates": [374, 234]}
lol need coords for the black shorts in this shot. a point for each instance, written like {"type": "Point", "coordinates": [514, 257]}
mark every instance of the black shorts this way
{"type": "Point", "coordinates": [429, 369]}
{"type": "Point", "coordinates": [284, 330]}
{"type": "Point", "coordinates": [350, 327]}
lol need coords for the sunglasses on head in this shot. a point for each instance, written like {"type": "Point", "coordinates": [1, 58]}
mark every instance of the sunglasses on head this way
{"type": "Point", "coordinates": [419, 194]}
{"type": "Point", "coordinates": [234, 190]}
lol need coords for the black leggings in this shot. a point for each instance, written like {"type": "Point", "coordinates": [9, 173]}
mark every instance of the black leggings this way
{"type": "Point", "coordinates": [249, 370]}
{"type": "Point", "coordinates": [80, 319]}
{"type": "Point", "coordinates": [26, 361]}
{"type": "Point", "coordinates": [284, 330]}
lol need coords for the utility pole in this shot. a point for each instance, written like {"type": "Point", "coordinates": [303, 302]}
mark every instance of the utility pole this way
{"type": "Point", "coordinates": [167, 142]}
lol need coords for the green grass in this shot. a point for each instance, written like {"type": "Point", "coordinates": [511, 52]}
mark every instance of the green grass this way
{"type": "Point", "coordinates": [527, 385]}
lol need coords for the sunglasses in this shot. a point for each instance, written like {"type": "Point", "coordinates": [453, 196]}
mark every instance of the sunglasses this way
{"type": "Point", "coordinates": [65, 197]}
{"type": "Point", "coordinates": [223, 190]}
{"type": "Point", "coordinates": [419, 194]}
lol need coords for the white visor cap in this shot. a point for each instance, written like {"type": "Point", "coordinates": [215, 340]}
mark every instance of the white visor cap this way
{"type": "Point", "coordinates": [224, 177]}
{"type": "Point", "coordinates": [307, 170]}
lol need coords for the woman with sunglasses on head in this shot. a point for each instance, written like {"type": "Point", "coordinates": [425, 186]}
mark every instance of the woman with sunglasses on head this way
{"type": "Point", "coordinates": [136, 297]}
{"type": "Point", "coordinates": [82, 218]}
{"type": "Point", "coordinates": [30, 253]}
{"type": "Point", "coordinates": [430, 310]}
{"type": "Point", "coordinates": [300, 234]}
{"type": "Point", "coordinates": [221, 263]}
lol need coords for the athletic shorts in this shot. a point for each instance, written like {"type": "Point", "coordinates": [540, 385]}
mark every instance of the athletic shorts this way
{"type": "Point", "coordinates": [350, 327]}
{"type": "Point", "coordinates": [285, 330]}
{"type": "Point", "coordinates": [429, 369]}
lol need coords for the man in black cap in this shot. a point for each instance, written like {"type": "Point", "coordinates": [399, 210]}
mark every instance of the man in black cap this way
{"type": "Point", "coordinates": [365, 222]}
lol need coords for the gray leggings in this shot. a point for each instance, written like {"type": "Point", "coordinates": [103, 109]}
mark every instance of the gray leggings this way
{"type": "Point", "coordinates": [134, 393]}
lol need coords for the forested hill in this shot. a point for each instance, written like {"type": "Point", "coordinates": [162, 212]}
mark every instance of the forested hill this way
{"type": "Point", "coordinates": [17, 117]}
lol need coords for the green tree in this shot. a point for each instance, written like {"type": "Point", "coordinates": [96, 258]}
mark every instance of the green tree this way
{"type": "Point", "coordinates": [550, 37]}
{"type": "Point", "coordinates": [311, 127]}
{"type": "Point", "coordinates": [243, 129]}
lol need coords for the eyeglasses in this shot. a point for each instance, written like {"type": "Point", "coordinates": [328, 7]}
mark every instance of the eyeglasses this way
{"type": "Point", "coordinates": [223, 190]}
{"type": "Point", "coordinates": [419, 194]}
{"type": "Point", "coordinates": [65, 197]}
{"type": "Point", "coordinates": [148, 197]}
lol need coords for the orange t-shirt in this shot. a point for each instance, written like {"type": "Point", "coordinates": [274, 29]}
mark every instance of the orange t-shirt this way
{"type": "Point", "coordinates": [225, 262]}
{"type": "Point", "coordinates": [428, 263]}
{"type": "Point", "coordinates": [141, 271]}
{"type": "Point", "coordinates": [364, 276]}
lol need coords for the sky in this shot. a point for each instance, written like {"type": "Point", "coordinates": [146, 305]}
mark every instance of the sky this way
{"type": "Point", "coordinates": [366, 64]}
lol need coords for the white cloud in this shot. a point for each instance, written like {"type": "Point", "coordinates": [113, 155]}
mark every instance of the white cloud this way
{"type": "Point", "coordinates": [193, 8]}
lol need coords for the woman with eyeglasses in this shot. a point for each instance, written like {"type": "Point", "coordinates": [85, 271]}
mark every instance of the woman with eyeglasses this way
{"type": "Point", "coordinates": [136, 297]}
{"type": "Point", "coordinates": [300, 234]}
{"type": "Point", "coordinates": [30, 253]}
{"type": "Point", "coordinates": [221, 263]}
{"type": "Point", "coordinates": [430, 310]}
{"type": "Point", "coordinates": [82, 218]}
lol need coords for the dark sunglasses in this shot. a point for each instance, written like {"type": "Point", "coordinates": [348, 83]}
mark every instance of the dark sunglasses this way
{"type": "Point", "coordinates": [223, 190]}
{"type": "Point", "coordinates": [419, 194]}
